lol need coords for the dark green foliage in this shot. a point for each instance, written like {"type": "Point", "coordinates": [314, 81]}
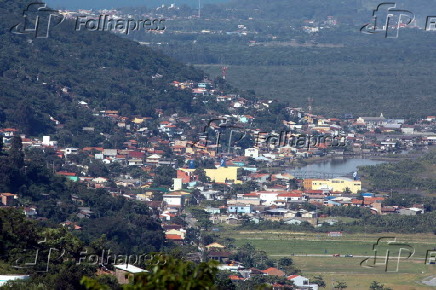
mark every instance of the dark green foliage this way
{"type": "Point", "coordinates": [250, 257]}
{"type": "Point", "coordinates": [201, 174]}
{"type": "Point", "coordinates": [407, 174]}
{"type": "Point", "coordinates": [378, 286]}
{"type": "Point", "coordinates": [56, 251]}
{"type": "Point", "coordinates": [17, 234]}
{"type": "Point", "coordinates": [128, 225]}
{"type": "Point", "coordinates": [359, 74]}
{"type": "Point", "coordinates": [222, 281]}
{"type": "Point", "coordinates": [164, 176]}
{"type": "Point", "coordinates": [319, 280]}
{"type": "Point", "coordinates": [174, 274]}
{"type": "Point", "coordinates": [340, 285]}
{"type": "Point", "coordinates": [47, 77]}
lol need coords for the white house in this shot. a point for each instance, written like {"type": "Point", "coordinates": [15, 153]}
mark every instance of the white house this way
{"type": "Point", "coordinates": [154, 158]}
{"type": "Point", "coordinates": [135, 162]}
{"type": "Point", "coordinates": [268, 197]}
{"type": "Point", "coordinates": [252, 152]}
{"type": "Point", "coordinates": [69, 151]}
{"type": "Point", "coordinates": [302, 282]}
{"type": "Point", "coordinates": [6, 278]}
{"type": "Point", "coordinates": [176, 199]}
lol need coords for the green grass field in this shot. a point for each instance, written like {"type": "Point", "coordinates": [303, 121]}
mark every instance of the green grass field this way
{"type": "Point", "coordinates": [286, 247]}
{"type": "Point", "coordinates": [279, 244]}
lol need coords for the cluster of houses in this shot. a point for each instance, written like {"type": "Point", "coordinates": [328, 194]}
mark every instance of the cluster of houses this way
{"type": "Point", "coordinates": [219, 253]}
{"type": "Point", "coordinates": [280, 196]}
{"type": "Point", "coordinates": [277, 203]}
{"type": "Point", "coordinates": [185, 137]}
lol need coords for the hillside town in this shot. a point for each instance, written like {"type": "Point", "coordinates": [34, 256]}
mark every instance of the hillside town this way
{"type": "Point", "coordinates": [233, 181]}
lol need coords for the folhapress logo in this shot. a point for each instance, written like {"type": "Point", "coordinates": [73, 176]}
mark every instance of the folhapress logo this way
{"type": "Point", "coordinates": [387, 19]}
{"type": "Point", "coordinates": [388, 253]}
{"type": "Point", "coordinates": [38, 19]}
{"type": "Point", "coordinates": [107, 23]}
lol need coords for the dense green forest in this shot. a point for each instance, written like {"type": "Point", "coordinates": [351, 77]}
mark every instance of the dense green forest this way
{"type": "Point", "coordinates": [343, 70]}
{"type": "Point", "coordinates": [406, 175]}
{"type": "Point", "coordinates": [43, 77]}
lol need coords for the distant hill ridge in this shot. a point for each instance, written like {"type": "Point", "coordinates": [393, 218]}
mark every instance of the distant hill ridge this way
{"type": "Point", "coordinates": [42, 77]}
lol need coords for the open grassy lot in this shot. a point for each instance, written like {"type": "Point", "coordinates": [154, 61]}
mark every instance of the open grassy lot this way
{"type": "Point", "coordinates": [409, 276]}
{"type": "Point", "coordinates": [278, 244]}
{"type": "Point", "coordinates": [299, 246]}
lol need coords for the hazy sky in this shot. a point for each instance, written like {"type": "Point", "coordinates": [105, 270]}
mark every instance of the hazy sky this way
{"type": "Point", "coordinates": [102, 4]}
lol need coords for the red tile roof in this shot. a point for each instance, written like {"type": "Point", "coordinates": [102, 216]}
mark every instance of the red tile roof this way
{"type": "Point", "coordinates": [174, 237]}
{"type": "Point", "coordinates": [274, 272]}
{"type": "Point", "coordinates": [235, 278]}
{"type": "Point", "coordinates": [65, 173]}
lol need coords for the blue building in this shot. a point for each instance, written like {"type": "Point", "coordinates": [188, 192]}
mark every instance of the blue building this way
{"type": "Point", "coordinates": [239, 208]}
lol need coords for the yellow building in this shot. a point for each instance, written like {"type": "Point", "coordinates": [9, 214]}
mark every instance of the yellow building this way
{"type": "Point", "coordinates": [334, 184]}
{"type": "Point", "coordinates": [138, 120]}
{"type": "Point", "coordinates": [221, 174]}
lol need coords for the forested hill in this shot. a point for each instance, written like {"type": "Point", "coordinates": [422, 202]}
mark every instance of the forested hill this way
{"type": "Point", "coordinates": [43, 77]}
{"type": "Point", "coordinates": [351, 10]}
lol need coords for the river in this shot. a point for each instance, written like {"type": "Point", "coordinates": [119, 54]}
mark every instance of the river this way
{"type": "Point", "coordinates": [332, 168]}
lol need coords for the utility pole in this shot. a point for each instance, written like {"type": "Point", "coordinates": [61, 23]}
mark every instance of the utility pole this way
{"type": "Point", "coordinates": [310, 102]}
{"type": "Point", "coordinates": [224, 72]}
{"type": "Point", "coordinates": [230, 141]}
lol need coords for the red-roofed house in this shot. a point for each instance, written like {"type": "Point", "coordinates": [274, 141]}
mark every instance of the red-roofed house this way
{"type": "Point", "coordinates": [236, 278]}
{"type": "Point", "coordinates": [176, 238]}
{"type": "Point", "coordinates": [273, 272]}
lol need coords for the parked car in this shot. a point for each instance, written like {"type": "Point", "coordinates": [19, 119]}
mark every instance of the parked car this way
{"type": "Point", "coordinates": [336, 255]}
{"type": "Point", "coordinates": [349, 256]}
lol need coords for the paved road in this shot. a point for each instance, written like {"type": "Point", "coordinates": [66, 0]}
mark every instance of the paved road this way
{"type": "Point", "coordinates": [342, 256]}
